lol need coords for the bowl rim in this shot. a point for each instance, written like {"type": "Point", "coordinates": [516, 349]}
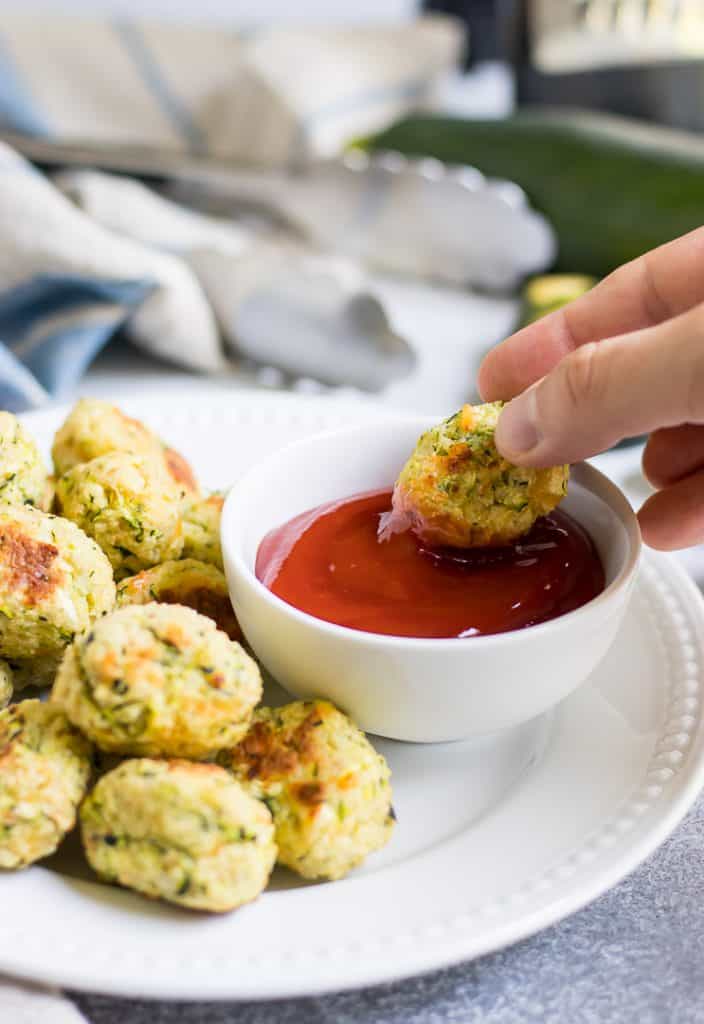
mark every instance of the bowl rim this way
{"type": "Point", "coordinates": [586, 475]}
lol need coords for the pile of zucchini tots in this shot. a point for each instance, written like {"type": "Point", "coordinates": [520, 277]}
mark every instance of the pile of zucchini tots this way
{"type": "Point", "coordinates": [114, 608]}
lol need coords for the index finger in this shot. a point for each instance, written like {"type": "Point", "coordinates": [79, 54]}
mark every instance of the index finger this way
{"type": "Point", "coordinates": [645, 292]}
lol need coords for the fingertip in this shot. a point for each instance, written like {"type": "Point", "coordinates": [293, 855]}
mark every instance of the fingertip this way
{"type": "Point", "coordinates": [671, 519]}
{"type": "Point", "coordinates": [651, 527]}
{"type": "Point", "coordinates": [657, 460]}
{"type": "Point", "coordinates": [516, 434]}
{"type": "Point", "coordinates": [672, 453]}
{"type": "Point", "coordinates": [653, 539]}
{"type": "Point", "coordinates": [486, 385]}
{"type": "Point", "coordinates": [649, 466]}
{"type": "Point", "coordinates": [519, 436]}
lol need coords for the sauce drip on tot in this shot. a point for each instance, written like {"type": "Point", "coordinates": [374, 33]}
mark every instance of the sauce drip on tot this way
{"type": "Point", "coordinates": [329, 562]}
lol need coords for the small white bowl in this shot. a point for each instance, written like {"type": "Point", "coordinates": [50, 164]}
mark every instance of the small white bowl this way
{"type": "Point", "coordinates": [423, 690]}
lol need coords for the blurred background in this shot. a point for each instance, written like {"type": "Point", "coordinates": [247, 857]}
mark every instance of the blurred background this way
{"type": "Point", "coordinates": [354, 198]}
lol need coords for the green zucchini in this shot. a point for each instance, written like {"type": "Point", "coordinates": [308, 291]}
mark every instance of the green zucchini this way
{"type": "Point", "coordinates": [611, 187]}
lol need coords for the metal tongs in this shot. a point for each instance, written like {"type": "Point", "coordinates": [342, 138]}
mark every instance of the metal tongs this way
{"type": "Point", "coordinates": [404, 216]}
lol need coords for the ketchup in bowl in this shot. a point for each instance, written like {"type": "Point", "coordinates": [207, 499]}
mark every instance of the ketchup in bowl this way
{"type": "Point", "coordinates": [330, 563]}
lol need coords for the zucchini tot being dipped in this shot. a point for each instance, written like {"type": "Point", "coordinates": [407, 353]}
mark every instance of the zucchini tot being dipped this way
{"type": "Point", "coordinates": [457, 490]}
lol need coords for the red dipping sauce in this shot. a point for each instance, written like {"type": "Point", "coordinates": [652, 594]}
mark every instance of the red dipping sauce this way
{"type": "Point", "coordinates": [328, 562]}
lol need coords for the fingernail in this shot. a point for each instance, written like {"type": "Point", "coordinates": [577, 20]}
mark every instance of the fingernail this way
{"type": "Point", "coordinates": [517, 430]}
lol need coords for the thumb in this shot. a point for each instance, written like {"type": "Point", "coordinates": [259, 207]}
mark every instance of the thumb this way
{"type": "Point", "coordinates": [606, 391]}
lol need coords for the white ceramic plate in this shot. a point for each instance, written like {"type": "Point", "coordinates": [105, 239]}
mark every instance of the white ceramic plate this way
{"type": "Point", "coordinates": [495, 840]}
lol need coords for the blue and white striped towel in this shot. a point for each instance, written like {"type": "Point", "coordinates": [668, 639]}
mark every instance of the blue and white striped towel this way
{"type": "Point", "coordinates": [87, 253]}
{"type": "Point", "coordinates": [67, 284]}
{"type": "Point", "coordinates": [70, 276]}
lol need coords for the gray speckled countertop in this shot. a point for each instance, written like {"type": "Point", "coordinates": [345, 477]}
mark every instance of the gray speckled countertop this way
{"type": "Point", "coordinates": [637, 954]}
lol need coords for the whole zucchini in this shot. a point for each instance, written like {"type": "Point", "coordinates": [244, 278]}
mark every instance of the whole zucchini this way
{"type": "Point", "coordinates": [611, 187]}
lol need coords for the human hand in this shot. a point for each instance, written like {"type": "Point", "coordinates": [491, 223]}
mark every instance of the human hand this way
{"type": "Point", "coordinates": [625, 359]}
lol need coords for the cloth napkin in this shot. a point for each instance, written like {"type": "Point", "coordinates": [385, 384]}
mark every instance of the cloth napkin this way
{"type": "Point", "coordinates": [185, 287]}
{"type": "Point", "coordinates": [270, 95]}
{"type": "Point", "coordinates": [89, 254]}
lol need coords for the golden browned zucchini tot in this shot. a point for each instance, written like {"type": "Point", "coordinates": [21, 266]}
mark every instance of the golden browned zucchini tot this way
{"type": "Point", "coordinates": [129, 505]}
{"type": "Point", "coordinates": [201, 529]}
{"type": "Point", "coordinates": [158, 680]}
{"type": "Point", "coordinates": [54, 582]}
{"type": "Point", "coordinates": [327, 788]}
{"type": "Point", "coordinates": [23, 476]}
{"type": "Point", "coordinates": [180, 471]}
{"type": "Point", "coordinates": [45, 765]}
{"type": "Point", "coordinates": [195, 584]}
{"type": "Point", "coordinates": [95, 428]}
{"type": "Point", "coordinates": [456, 489]}
{"type": "Point", "coordinates": [186, 833]}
